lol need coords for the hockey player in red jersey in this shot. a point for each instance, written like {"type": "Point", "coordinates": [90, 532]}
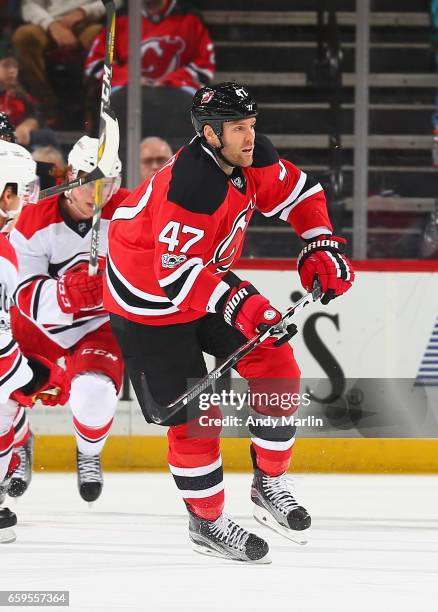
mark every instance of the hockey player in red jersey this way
{"type": "Point", "coordinates": [22, 380]}
{"type": "Point", "coordinates": [172, 296]}
{"type": "Point", "coordinates": [176, 48]}
{"type": "Point", "coordinates": [59, 309]}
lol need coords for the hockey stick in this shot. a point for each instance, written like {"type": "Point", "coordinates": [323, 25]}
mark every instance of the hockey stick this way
{"type": "Point", "coordinates": [160, 414]}
{"type": "Point", "coordinates": [110, 8]}
{"type": "Point", "coordinates": [104, 166]}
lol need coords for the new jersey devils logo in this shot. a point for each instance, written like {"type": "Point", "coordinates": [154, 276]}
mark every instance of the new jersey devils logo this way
{"type": "Point", "coordinates": [226, 251]}
{"type": "Point", "coordinates": [161, 55]}
{"type": "Point", "coordinates": [207, 96]}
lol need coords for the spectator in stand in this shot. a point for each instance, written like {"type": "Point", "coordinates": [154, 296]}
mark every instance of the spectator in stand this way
{"type": "Point", "coordinates": [177, 59]}
{"type": "Point", "coordinates": [9, 17]}
{"type": "Point", "coordinates": [50, 155]}
{"type": "Point", "coordinates": [51, 24]}
{"type": "Point", "coordinates": [14, 101]}
{"type": "Point", "coordinates": [18, 105]}
{"type": "Point", "coordinates": [154, 153]}
{"type": "Point", "coordinates": [51, 167]}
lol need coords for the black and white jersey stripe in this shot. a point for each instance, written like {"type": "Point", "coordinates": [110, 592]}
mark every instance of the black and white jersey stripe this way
{"type": "Point", "coordinates": [9, 346]}
{"type": "Point", "coordinates": [6, 451]}
{"type": "Point", "coordinates": [178, 284]}
{"type": "Point", "coordinates": [134, 300]}
{"type": "Point", "coordinates": [304, 188]}
{"type": "Point", "coordinates": [17, 375]}
{"type": "Point", "coordinates": [80, 323]}
{"type": "Point", "coordinates": [58, 269]}
{"type": "Point", "coordinates": [36, 298]}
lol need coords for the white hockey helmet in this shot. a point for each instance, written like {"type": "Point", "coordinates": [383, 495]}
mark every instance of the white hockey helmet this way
{"type": "Point", "coordinates": [83, 156]}
{"type": "Point", "coordinates": [18, 167]}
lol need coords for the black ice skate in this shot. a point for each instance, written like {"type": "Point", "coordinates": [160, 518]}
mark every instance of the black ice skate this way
{"type": "Point", "coordinates": [23, 474]}
{"type": "Point", "coordinates": [276, 506]}
{"type": "Point", "coordinates": [7, 520]}
{"type": "Point", "coordinates": [14, 464]}
{"type": "Point", "coordinates": [90, 478]}
{"type": "Point", "coordinates": [225, 538]}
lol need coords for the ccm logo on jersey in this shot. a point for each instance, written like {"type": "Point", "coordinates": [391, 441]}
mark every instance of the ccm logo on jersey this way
{"type": "Point", "coordinates": [172, 261]}
{"type": "Point", "coordinates": [100, 353]}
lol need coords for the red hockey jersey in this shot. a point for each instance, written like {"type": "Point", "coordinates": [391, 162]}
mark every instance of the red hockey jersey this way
{"type": "Point", "coordinates": [48, 243]}
{"type": "Point", "coordinates": [14, 370]}
{"type": "Point", "coordinates": [175, 51]}
{"type": "Point", "coordinates": [177, 235]}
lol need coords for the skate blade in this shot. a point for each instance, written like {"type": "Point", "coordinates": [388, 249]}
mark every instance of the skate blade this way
{"type": "Point", "coordinates": [263, 517]}
{"type": "Point", "coordinates": [7, 536]}
{"type": "Point", "coordinates": [210, 552]}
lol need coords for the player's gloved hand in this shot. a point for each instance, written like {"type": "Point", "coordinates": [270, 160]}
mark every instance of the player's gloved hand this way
{"type": "Point", "coordinates": [250, 313]}
{"type": "Point", "coordinates": [323, 257]}
{"type": "Point", "coordinates": [77, 291]}
{"type": "Point", "coordinates": [50, 384]}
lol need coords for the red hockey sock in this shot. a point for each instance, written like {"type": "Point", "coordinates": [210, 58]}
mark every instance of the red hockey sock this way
{"type": "Point", "coordinates": [273, 458]}
{"type": "Point", "coordinates": [196, 467]}
{"type": "Point", "coordinates": [90, 440]}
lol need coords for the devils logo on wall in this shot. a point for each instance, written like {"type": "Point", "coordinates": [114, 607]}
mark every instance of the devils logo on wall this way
{"type": "Point", "coordinates": [161, 55]}
{"type": "Point", "coordinates": [227, 250]}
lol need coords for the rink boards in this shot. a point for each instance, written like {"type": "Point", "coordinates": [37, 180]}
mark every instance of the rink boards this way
{"type": "Point", "coordinates": [384, 331]}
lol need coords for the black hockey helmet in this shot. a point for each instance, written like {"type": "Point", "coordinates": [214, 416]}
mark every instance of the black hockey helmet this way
{"type": "Point", "coordinates": [7, 129]}
{"type": "Point", "coordinates": [222, 102]}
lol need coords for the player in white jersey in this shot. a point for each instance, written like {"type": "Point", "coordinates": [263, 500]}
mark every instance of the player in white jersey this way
{"type": "Point", "coordinates": [22, 380]}
{"type": "Point", "coordinates": [59, 307]}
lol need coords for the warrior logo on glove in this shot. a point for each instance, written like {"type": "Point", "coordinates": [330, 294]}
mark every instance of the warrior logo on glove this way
{"type": "Point", "coordinates": [323, 258]}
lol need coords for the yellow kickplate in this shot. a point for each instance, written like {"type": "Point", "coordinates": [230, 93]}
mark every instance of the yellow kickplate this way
{"type": "Point", "coordinates": [372, 455]}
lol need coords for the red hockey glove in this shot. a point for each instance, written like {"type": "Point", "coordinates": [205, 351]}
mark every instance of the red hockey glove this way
{"type": "Point", "coordinates": [50, 384]}
{"type": "Point", "coordinates": [323, 257]}
{"type": "Point", "coordinates": [77, 291]}
{"type": "Point", "coordinates": [250, 313]}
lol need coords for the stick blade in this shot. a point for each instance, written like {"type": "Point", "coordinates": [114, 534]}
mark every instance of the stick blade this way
{"type": "Point", "coordinates": [110, 145]}
{"type": "Point", "coordinates": [154, 410]}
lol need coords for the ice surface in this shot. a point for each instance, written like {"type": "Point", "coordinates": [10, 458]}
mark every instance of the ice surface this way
{"type": "Point", "coordinates": [373, 548]}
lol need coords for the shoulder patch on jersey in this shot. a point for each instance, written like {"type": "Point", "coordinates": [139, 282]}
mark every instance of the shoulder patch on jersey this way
{"type": "Point", "coordinates": [35, 217]}
{"type": "Point", "coordinates": [265, 153]}
{"type": "Point", "coordinates": [197, 184]}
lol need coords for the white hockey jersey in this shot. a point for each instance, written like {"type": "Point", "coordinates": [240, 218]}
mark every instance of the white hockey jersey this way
{"type": "Point", "coordinates": [48, 243]}
{"type": "Point", "coordinates": [14, 369]}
